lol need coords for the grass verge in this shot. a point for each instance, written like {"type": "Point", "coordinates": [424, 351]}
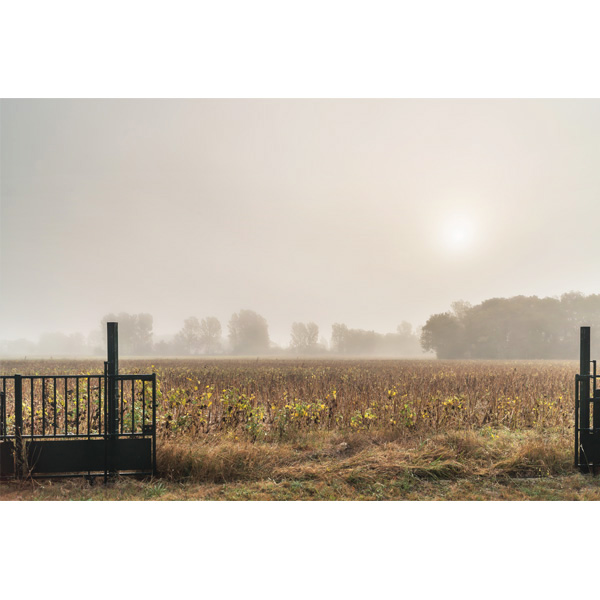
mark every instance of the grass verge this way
{"type": "Point", "coordinates": [459, 465]}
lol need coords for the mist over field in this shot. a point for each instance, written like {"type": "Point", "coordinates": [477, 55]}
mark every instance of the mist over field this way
{"type": "Point", "coordinates": [344, 226]}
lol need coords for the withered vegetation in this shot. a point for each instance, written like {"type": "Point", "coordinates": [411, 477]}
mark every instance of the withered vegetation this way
{"type": "Point", "coordinates": [371, 429]}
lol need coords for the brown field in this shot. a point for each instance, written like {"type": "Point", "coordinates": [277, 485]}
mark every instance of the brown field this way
{"type": "Point", "coordinates": [347, 429]}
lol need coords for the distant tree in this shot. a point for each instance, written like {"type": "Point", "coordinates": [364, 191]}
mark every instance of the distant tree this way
{"type": "Point", "coordinates": [443, 334]}
{"type": "Point", "coordinates": [305, 337]}
{"type": "Point", "coordinates": [248, 333]}
{"type": "Point", "coordinates": [210, 335]}
{"type": "Point", "coordinates": [187, 340]}
{"type": "Point", "coordinates": [135, 332]}
{"type": "Point", "coordinates": [405, 329]}
{"type": "Point", "coordinates": [312, 335]}
{"type": "Point", "coordinates": [339, 338]}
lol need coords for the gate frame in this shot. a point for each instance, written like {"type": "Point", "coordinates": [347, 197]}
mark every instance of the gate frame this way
{"type": "Point", "coordinates": [587, 432]}
{"type": "Point", "coordinates": [108, 452]}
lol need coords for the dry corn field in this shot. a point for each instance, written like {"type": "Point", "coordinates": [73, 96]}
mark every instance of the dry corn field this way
{"type": "Point", "coordinates": [347, 429]}
{"type": "Point", "coordinates": [273, 399]}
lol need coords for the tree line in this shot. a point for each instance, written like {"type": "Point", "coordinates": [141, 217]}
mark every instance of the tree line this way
{"type": "Point", "coordinates": [247, 333]}
{"type": "Point", "coordinates": [521, 327]}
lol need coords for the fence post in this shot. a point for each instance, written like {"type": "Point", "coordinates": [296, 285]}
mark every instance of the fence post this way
{"type": "Point", "coordinates": [112, 370]}
{"type": "Point", "coordinates": [584, 390]}
{"type": "Point", "coordinates": [584, 371]}
{"type": "Point", "coordinates": [18, 427]}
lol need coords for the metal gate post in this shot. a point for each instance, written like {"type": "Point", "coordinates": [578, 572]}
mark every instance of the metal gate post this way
{"type": "Point", "coordinates": [584, 371]}
{"type": "Point", "coordinates": [154, 424]}
{"type": "Point", "coordinates": [584, 390]}
{"type": "Point", "coordinates": [112, 393]}
{"type": "Point", "coordinates": [18, 427]}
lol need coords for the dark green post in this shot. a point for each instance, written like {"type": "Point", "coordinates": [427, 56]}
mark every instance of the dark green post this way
{"type": "Point", "coordinates": [584, 371]}
{"type": "Point", "coordinates": [18, 427]}
{"type": "Point", "coordinates": [112, 370]}
{"type": "Point", "coordinates": [584, 397]}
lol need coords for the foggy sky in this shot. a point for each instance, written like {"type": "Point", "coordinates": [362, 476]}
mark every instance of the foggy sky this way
{"type": "Point", "coordinates": [365, 212]}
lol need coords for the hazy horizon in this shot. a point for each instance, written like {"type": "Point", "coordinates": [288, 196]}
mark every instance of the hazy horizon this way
{"type": "Point", "coordinates": [363, 212]}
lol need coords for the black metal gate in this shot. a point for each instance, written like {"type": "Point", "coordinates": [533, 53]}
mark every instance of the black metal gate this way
{"type": "Point", "coordinates": [59, 425]}
{"type": "Point", "coordinates": [587, 410]}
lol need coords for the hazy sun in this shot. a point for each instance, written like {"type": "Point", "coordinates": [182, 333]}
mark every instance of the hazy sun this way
{"type": "Point", "coordinates": [458, 234]}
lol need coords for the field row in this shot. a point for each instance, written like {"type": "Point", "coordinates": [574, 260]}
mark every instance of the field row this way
{"type": "Point", "coordinates": [271, 399]}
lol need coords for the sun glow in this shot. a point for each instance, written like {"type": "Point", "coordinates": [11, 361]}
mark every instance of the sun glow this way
{"type": "Point", "coordinates": [458, 234]}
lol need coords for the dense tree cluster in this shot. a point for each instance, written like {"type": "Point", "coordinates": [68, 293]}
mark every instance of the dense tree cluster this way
{"type": "Point", "coordinates": [248, 333]}
{"type": "Point", "coordinates": [509, 328]}
{"type": "Point", "coordinates": [360, 342]}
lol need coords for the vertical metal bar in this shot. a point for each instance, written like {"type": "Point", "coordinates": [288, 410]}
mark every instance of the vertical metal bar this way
{"type": "Point", "coordinates": [2, 414]}
{"type": "Point", "coordinates": [105, 403]}
{"type": "Point", "coordinates": [102, 404]}
{"type": "Point", "coordinates": [143, 405]}
{"type": "Point", "coordinates": [584, 391]}
{"type": "Point", "coordinates": [596, 405]}
{"type": "Point", "coordinates": [77, 406]}
{"type": "Point", "coordinates": [132, 406]}
{"type": "Point", "coordinates": [66, 408]}
{"type": "Point", "coordinates": [121, 406]}
{"type": "Point", "coordinates": [54, 379]}
{"type": "Point", "coordinates": [89, 405]}
{"type": "Point", "coordinates": [105, 411]}
{"type": "Point", "coordinates": [101, 388]}
{"type": "Point", "coordinates": [43, 406]}
{"type": "Point", "coordinates": [576, 421]}
{"type": "Point", "coordinates": [154, 423]}
{"type": "Point", "coordinates": [32, 391]}
{"type": "Point", "coordinates": [18, 427]}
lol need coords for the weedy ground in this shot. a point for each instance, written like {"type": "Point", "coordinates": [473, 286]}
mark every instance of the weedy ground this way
{"type": "Point", "coordinates": [455, 465]}
{"type": "Point", "coordinates": [347, 430]}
